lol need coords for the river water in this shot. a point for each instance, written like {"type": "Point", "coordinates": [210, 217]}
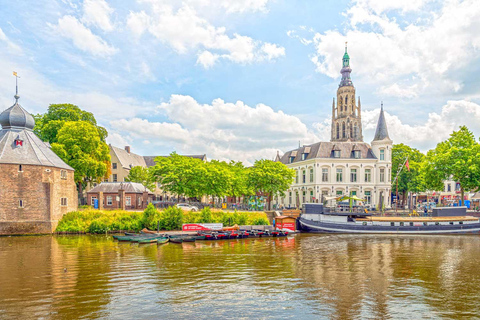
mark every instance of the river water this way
{"type": "Point", "coordinates": [305, 276]}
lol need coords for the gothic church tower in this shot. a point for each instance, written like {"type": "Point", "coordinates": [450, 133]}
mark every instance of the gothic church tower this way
{"type": "Point", "coordinates": [346, 114]}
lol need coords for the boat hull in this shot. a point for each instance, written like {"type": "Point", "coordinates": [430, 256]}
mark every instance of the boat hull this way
{"type": "Point", "coordinates": [323, 227]}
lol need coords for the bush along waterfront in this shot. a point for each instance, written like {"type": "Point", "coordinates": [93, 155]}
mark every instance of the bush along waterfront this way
{"type": "Point", "coordinates": [172, 218]}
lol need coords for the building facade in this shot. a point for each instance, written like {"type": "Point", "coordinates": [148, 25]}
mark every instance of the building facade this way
{"type": "Point", "coordinates": [346, 165]}
{"type": "Point", "coordinates": [120, 195]}
{"type": "Point", "coordinates": [36, 187]}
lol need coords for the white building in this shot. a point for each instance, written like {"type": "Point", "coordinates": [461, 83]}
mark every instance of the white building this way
{"type": "Point", "coordinates": [346, 165]}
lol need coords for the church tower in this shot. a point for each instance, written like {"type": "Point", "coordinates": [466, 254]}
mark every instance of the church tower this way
{"type": "Point", "coordinates": [346, 114]}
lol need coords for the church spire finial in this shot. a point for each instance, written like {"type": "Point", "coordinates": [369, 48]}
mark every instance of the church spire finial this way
{"type": "Point", "coordinates": [16, 96]}
{"type": "Point", "coordinates": [345, 46]}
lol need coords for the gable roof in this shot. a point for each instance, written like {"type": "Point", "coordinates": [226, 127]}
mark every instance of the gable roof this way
{"type": "Point", "coordinates": [325, 150]}
{"type": "Point", "coordinates": [128, 160]}
{"type": "Point", "coordinates": [113, 187]}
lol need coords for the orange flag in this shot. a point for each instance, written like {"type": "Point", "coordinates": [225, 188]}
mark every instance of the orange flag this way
{"type": "Point", "coordinates": [407, 165]}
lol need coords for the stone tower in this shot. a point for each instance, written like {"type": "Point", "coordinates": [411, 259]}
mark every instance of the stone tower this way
{"type": "Point", "coordinates": [346, 114]}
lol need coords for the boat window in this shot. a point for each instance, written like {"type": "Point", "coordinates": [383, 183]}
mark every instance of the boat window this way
{"type": "Point", "coordinates": [437, 223]}
{"type": "Point", "coordinates": [451, 222]}
{"type": "Point", "coordinates": [392, 223]}
{"type": "Point", "coordinates": [411, 224]}
{"type": "Point", "coordinates": [364, 223]}
{"type": "Point", "coordinates": [425, 223]}
{"type": "Point", "coordinates": [402, 224]}
{"type": "Point", "coordinates": [460, 222]}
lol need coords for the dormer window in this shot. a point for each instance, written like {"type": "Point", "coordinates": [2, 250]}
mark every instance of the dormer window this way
{"type": "Point", "coordinates": [291, 159]}
{"type": "Point", "coordinates": [336, 153]}
{"type": "Point", "coordinates": [18, 142]}
{"type": "Point", "coordinates": [356, 154]}
{"type": "Point", "coordinates": [304, 156]}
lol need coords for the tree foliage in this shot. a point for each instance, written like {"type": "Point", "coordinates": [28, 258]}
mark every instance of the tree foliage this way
{"type": "Point", "coordinates": [270, 177]}
{"type": "Point", "coordinates": [79, 144]}
{"type": "Point", "coordinates": [141, 175]}
{"type": "Point", "coordinates": [49, 124]}
{"type": "Point", "coordinates": [458, 159]}
{"type": "Point", "coordinates": [408, 180]}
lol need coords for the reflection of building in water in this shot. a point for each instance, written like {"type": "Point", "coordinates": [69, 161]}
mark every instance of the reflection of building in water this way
{"type": "Point", "coordinates": [381, 276]}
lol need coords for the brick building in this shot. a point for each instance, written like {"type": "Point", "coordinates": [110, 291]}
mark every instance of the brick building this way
{"type": "Point", "coordinates": [36, 187]}
{"type": "Point", "coordinates": [120, 195]}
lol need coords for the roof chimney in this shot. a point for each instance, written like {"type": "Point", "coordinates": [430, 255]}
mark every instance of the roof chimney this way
{"type": "Point", "coordinates": [127, 148]}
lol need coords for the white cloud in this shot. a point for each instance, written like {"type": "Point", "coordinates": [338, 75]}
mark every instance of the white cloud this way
{"type": "Point", "coordinates": [230, 6]}
{"type": "Point", "coordinates": [83, 38]}
{"type": "Point", "coordinates": [220, 129]}
{"type": "Point", "coordinates": [11, 46]}
{"type": "Point", "coordinates": [97, 13]}
{"type": "Point", "coordinates": [423, 54]}
{"type": "Point", "coordinates": [184, 30]}
{"type": "Point", "coordinates": [436, 128]}
{"type": "Point", "coordinates": [207, 59]}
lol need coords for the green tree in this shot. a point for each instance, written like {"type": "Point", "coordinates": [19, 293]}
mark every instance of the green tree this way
{"type": "Point", "coordinates": [215, 179]}
{"type": "Point", "coordinates": [141, 175]}
{"type": "Point", "coordinates": [458, 159]}
{"type": "Point", "coordinates": [179, 175]}
{"type": "Point", "coordinates": [270, 177]}
{"type": "Point", "coordinates": [408, 180]}
{"type": "Point", "coordinates": [79, 144]}
{"type": "Point", "coordinates": [49, 124]}
{"type": "Point", "coordinates": [239, 185]}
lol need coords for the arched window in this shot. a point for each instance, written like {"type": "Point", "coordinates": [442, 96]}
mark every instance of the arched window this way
{"type": "Point", "coordinates": [343, 130]}
{"type": "Point", "coordinates": [355, 130]}
{"type": "Point", "coordinates": [338, 131]}
{"type": "Point", "coordinates": [351, 131]}
{"type": "Point", "coordinates": [346, 100]}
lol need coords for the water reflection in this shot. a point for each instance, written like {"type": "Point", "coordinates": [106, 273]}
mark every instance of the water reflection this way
{"type": "Point", "coordinates": [308, 276]}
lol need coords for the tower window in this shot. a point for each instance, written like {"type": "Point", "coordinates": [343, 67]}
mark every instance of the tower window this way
{"type": "Point", "coordinates": [21, 204]}
{"type": "Point", "coordinates": [63, 202]}
{"type": "Point", "coordinates": [338, 131]}
{"type": "Point", "coordinates": [343, 130]}
{"type": "Point", "coordinates": [20, 168]}
{"type": "Point", "coordinates": [382, 154]}
{"type": "Point", "coordinates": [63, 174]}
{"type": "Point", "coordinates": [346, 100]}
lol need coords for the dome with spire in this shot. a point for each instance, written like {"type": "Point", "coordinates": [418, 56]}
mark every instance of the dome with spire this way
{"type": "Point", "coordinates": [16, 117]}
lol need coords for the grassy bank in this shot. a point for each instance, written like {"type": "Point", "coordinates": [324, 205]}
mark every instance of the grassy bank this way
{"type": "Point", "coordinates": [101, 221]}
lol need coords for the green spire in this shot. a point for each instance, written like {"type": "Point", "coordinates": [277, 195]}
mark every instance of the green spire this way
{"type": "Point", "coordinates": [346, 58]}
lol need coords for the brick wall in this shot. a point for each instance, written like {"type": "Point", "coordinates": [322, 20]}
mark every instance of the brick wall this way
{"type": "Point", "coordinates": [116, 204]}
{"type": "Point", "coordinates": [40, 189]}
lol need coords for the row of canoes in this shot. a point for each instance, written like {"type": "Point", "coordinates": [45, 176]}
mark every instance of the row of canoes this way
{"type": "Point", "coordinates": [160, 238]}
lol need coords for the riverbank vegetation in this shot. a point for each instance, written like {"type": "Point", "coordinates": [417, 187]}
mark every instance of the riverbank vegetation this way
{"type": "Point", "coordinates": [172, 218]}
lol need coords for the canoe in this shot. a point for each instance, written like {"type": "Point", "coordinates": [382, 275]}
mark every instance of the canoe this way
{"type": "Point", "coordinates": [148, 240]}
{"type": "Point", "coordinates": [202, 237]}
{"type": "Point", "coordinates": [176, 240]}
{"type": "Point", "coordinates": [188, 239]}
{"type": "Point", "coordinates": [162, 240]}
{"type": "Point", "coordinates": [124, 238]}
{"type": "Point", "coordinates": [145, 230]}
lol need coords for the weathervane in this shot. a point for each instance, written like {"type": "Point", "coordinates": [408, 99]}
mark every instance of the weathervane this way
{"type": "Point", "coordinates": [16, 86]}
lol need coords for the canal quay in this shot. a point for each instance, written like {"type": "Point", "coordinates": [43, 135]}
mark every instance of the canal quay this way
{"type": "Point", "coordinates": [301, 276]}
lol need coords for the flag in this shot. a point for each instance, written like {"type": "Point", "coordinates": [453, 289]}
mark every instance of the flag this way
{"type": "Point", "coordinates": [407, 165]}
{"type": "Point", "coordinates": [15, 73]}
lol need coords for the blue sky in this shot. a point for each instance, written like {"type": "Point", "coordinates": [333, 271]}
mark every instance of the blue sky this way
{"type": "Point", "coordinates": [241, 79]}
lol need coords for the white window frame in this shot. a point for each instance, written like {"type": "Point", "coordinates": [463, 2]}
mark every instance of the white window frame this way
{"type": "Point", "coordinates": [382, 174]}
{"type": "Point", "coordinates": [63, 174]}
{"type": "Point", "coordinates": [353, 175]}
{"type": "Point", "coordinates": [368, 175]}
{"type": "Point", "coordinates": [311, 174]}
{"type": "Point", "coordinates": [382, 154]}
{"type": "Point", "coordinates": [92, 199]}
{"type": "Point", "coordinates": [63, 202]}
{"type": "Point", "coordinates": [324, 174]}
{"type": "Point", "coordinates": [339, 172]}
{"type": "Point", "coordinates": [109, 200]}
{"type": "Point", "coordinates": [128, 201]}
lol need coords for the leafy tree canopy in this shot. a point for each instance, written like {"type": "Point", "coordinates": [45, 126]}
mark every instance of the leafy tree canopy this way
{"type": "Point", "coordinates": [408, 180]}
{"type": "Point", "coordinates": [141, 175]}
{"type": "Point", "coordinates": [270, 177]}
{"type": "Point", "coordinates": [458, 159]}
{"type": "Point", "coordinates": [49, 124]}
{"type": "Point", "coordinates": [79, 144]}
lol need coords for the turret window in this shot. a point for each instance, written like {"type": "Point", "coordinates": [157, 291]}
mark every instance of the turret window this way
{"type": "Point", "coordinates": [343, 130]}
{"type": "Point", "coordinates": [382, 154]}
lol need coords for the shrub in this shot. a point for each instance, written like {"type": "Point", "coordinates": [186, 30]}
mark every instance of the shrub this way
{"type": "Point", "coordinates": [260, 221]}
{"type": "Point", "coordinates": [205, 216]}
{"type": "Point", "coordinates": [241, 218]}
{"type": "Point", "coordinates": [171, 218]}
{"type": "Point", "coordinates": [151, 217]}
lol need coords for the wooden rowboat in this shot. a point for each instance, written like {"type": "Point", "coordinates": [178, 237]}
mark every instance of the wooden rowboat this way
{"type": "Point", "coordinates": [176, 240]}
{"type": "Point", "coordinates": [147, 240]}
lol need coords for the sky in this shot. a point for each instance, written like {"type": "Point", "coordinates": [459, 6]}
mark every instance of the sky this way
{"type": "Point", "coordinates": [243, 79]}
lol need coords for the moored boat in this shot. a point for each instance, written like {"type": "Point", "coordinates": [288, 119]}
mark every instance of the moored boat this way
{"type": "Point", "coordinates": [162, 240]}
{"type": "Point", "coordinates": [348, 222]}
{"type": "Point", "coordinates": [176, 240]}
